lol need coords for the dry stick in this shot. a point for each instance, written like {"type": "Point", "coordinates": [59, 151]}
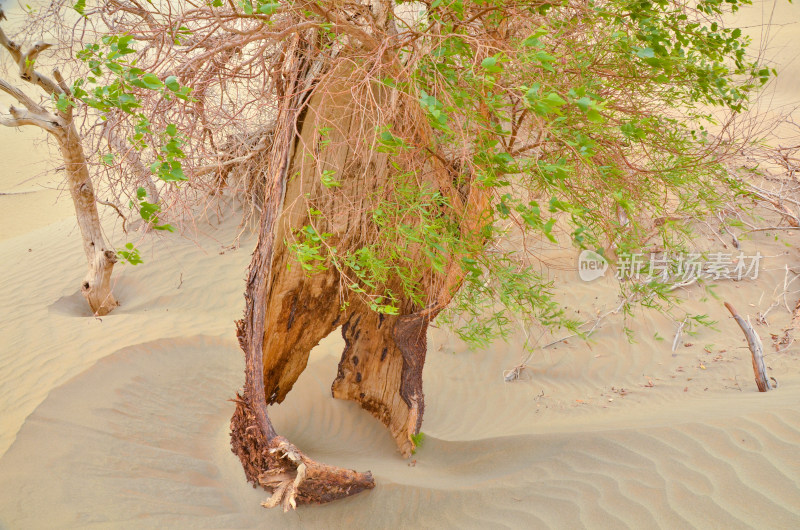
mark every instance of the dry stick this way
{"type": "Point", "coordinates": [678, 334]}
{"type": "Point", "coordinates": [777, 298]}
{"type": "Point", "coordinates": [734, 239]}
{"type": "Point", "coordinates": [754, 342]}
{"type": "Point", "coordinates": [112, 205]}
{"type": "Point", "coordinates": [794, 324]}
{"type": "Point", "coordinates": [776, 200]}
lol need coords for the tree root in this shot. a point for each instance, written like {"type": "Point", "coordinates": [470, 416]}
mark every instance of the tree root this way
{"type": "Point", "coordinates": [280, 467]}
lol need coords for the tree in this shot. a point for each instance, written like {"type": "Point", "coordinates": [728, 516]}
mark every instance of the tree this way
{"type": "Point", "coordinates": [407, 159]}
{"type": "Point", "coordinates": [58, 121]}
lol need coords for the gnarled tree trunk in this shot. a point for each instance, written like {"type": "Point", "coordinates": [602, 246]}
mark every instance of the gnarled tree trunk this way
{"type": "Point", "coordinates": [270, 311]}
{"type": "Point", "coordinates": [328, 122]}
{"type": "Point", "coordinates": [96, 286]}
{"type": "Point", "coordinates": [289, 311]}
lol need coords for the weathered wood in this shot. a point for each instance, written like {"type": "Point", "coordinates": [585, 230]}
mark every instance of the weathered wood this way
{"type": "Point", "coordinates": [268, 459]}
{"type": "Point", "coordinates": [96, 286]}
{"type": "Point", "coordinates": [278, 466]}
{"type": "Point", "coordinates": [381, 364]}
{"type": "Point", "coordinates": [381, 370]}
{"type": "Point", "coordinates": [290, 310]}
{"type": "Point", "coordinates": [756, 349]}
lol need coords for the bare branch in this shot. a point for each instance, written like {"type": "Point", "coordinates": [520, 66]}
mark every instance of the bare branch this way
{"type": "Point", "coordinates": [26, 61]}
{"type": "Point", "coordinates": [20, 117]}
{"type": "Point", "coordinates": [12, 47]}
{"type": "Point", "coordinates": [27, 72]}
{"type": "Point", "coordinates": [19, 96]}
{"type": "Point", "coordinates": [61, 83]}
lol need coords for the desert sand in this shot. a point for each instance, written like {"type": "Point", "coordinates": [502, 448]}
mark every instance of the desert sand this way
{"type": "Point", "coordinates": [122, 421]}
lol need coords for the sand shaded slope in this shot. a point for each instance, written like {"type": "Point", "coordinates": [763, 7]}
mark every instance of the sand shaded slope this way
{"type": "Point", "coordinates": [124, 420]}
{"type": "Point", "coordinates": [139, 441]}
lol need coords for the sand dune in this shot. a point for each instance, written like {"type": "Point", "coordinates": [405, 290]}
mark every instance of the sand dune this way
{"type": "Point", "coordinates": [122, 422]}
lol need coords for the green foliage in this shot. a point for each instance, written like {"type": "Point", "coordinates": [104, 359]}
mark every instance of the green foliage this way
{"type": "Point", "coordinates": [580, 124]}
{"type": "Point", "coordinates": [149, 211]}
{"type": "Point", "coordinates": [328, 178]}
{"type": "Point", "coordinates": [111, 86]}
{"type": "Point", "coordinates": [307, 249]}
{"type": "Point", "coordinates": [168, 167]}
{"type": "Point", "coordinates": [130, 254]}
{"type": "Point", "coordinates": [417, 440]}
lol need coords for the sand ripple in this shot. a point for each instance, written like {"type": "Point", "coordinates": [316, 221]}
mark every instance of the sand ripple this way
{"type": "Point", "coordinates": [140, 440]}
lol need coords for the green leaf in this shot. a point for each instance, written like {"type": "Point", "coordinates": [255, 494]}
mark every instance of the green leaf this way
{"type": "Point", "coordinates": [417, 440]}
{"type": "Point", "coordinates": [491, 65]}
{"type": "Point", "coordinates": [175, 174]}
{"type": "Point", "coordinates": [151, 81]}
{"type": "Point", "coordinates": [555, 99]}
{"type": "Point", "coordinates": [148, 210]}
{"type": "Point", "coordinates": [645, 53]}
{"type": "Point", "coordinates": [584, 103]}
{"type": "Point", "coordinates": [127, 102]}
{"type": "Point", "coordinates": [172, 83]}
{"type": "Point", "coordinates": [594, 116]}
{"type": "Point", "coordinates": [80, 6]}
{"type": "Point", "coordinates": [63, 103]}
{"type": "Point", "coordinates": [268, 9]}
{"type": "Point", "coordinates": [328, 178]}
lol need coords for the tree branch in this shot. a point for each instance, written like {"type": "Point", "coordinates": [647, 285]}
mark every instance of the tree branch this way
{"type": "Point", "coordinates": [20, 117]}
{"type": "Point", "coordinates": [26, 61]}
{"type": "Point", "coordinates": [20, 96]}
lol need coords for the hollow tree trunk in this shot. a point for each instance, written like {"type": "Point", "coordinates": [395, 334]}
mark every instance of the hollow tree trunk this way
{"type": "Point", "coordinates": [381, 366]}
{"type": "Point", "coordinates": [96, 286]}
{"type": "Point", "coordinates": [268, 459]}
{"type": "Point", "coordinates": [288, 311]}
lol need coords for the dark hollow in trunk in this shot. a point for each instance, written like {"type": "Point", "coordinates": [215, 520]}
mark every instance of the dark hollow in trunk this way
{"type": "Point", "coordinates": [288, 311]}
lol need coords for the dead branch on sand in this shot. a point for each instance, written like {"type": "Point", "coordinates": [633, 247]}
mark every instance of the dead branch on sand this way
{"type": "Point", "coordinates": [756, 348]}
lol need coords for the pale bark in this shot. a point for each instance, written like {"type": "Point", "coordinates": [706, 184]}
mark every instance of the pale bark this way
{"type": "Point", "coordinates": [756, 349]}
{"type": "Point", "coordinates": [96, 287]}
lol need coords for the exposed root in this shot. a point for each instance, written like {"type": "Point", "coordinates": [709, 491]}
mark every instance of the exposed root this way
{"type": "Point", "coordinates": [281, 468]}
